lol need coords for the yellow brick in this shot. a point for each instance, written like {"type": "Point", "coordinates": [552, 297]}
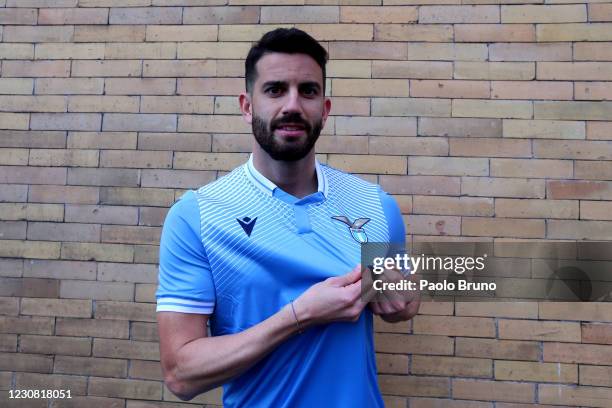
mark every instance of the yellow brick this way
{"type": "Point", "coordinates": [17, 51]}
{"type": "Point", "coordinates": [12, 86]}
{"type": "Point", "coordinates": [530, 52]}
{"type": "Point", "coordinates": [377, 14]}
{"type": "Point", "coordinates": [411, 107]}
{"type": "Point", "coordinates": [215, 124]}
{"type": "Point", "coordinates": [577, 396]}
{"type": "Point", "coordinates": [29, 249]}
{"type": "Point", "coordinates": [365, 50]}
{"type": "Point", "coordinates": [573, 110]}
{"type": "Point", "coordinates": [300, 14]}
{"type": "Point", "coordinates": [175, 68]}
{"type": "Point", "coordinates": [208, 161]}
{"type": "Point", "coordinates": [413, 385]}
{"type": "Point", "coordinates": [103, 103]}
{"type": "Point", "coordinates": [29, 103]}
{"type": "Point", "coordinates": [369, 87]}
{"type": "Point", "coordinates": [490, 147]}
{"type": "Point", "coordinates": [32, 212]}
{"type": "Point", "coordinates": [475, 206]}
{"type": "Point", "coordinates": [574, 32]}
{"type": "Point", "coordinates": [178, 104]}
{"type": "Point", "coordinates": [595, 210]}
{"type": "Point", "coordinates": [247, 32]}
{"type": "Point", "coordinates": [338, 32]}
{"type": "Point", "coordinates": [447, 51]}
{"type": "Point", "coordinates": [97, 252]}
{"type": "Point", "coordinates": [449, 89]}
{"type": "Point", "coordinates": [539, 372]}
{"type": "Point", "coordinates": [503, 227]}
{"type": "Point", "coordinates": [106, 68]}
{"type": "Point", "coordinates": [532, 90]}
{"type": "Point", "coordinates": [495, 33]}
{"type": "Point", "coordinates": [593, 90]}
{"type": "Point", "coordinates": [140, 51]}
{"type": "Point", "coordinates": [453, 325]}
{"type": "Point", "coordinates": [113, 33]}
{"type": "Point", "coordinates": [60, 157]}
{"type": "Point", "coordinates": [539, 330]}
{"type": "Point", "coordinates": [416, 32]}
{"type": "Point", "coordinates": [390, 126]}
{"type": "Point", "coordinates": [181, 33]}
{"type": "Point", "coordinates": [532, 168]}
{"type": "Point", "coordinates": [526, 208]}
{"type": "Point", "coordinates": [585, 71]}
{"type": "Point", "coordinates": [412, 69]}
{"type": "Point", "coordinates": [599, 130]}
{"type": "Point", "coordinates": [526, 310]}
{"type": "Point", "coordinates": [595, 230]}
{"type": "Point", "coordinates": [69, 51]}
{"type": "Point", "coordinates": [368, 164]}
{"type": "Point", "coordinates": [414, 146]}
{"type": "Point", "coordinates": [448, 166]}
{"type": "Point", "coordinates": [56, 307]}
{"type": "Point", "coordinates": [543, 129]}
{"type": "Point", "coordinates": [452, 366]}
{"type": "Point", "coordinates": [125, 388]}
{"type": "Point", "coordinates": [592, 51]}
{"type": "Point", "coordinates": [544, 13]}
{"type": "Point", "coordinates": [14, 157]}
{"type": "Point", "coordinates": [210, 86]}
{"type": "Point", "coordinates": [233, 50]}
{"type": "Point", "coordinates": [493, 390]}
{"type": "Point", "coordinates": [600, 12]}
{"type": "Point", "coordinates": [36, 34]}
{"type": "Point", "coordinates": [459, 14]}
{"type": "Point", "coordinates": [498, 349]}
{"type": "Point", "coordinates": [492, 109]}
{"type": "Point", "coordinates": [495, 70]}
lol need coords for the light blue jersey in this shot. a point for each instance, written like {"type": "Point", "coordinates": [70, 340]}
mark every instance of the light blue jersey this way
{"type": "Point", "coordinates": [239, 249]}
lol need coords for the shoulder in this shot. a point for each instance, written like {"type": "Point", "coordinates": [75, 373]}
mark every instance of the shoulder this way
{"type": "Point", "coordinates": [339, 178]}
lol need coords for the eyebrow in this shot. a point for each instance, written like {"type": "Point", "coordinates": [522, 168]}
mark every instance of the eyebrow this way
{"type": "Point", "coordinates": [284, 84]}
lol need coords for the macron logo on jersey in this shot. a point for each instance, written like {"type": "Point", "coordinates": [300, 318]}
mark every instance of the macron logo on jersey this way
{"type": "Point", "coordinates": [247, 224]}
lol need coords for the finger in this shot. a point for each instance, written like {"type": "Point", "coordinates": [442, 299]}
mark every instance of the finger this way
{"type": "Point", "coordinates": [375, 307]}
{"type": "Point", "coordinates": [348, 278]}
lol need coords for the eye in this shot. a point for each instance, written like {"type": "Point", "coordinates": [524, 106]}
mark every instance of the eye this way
{"type": "Point", "coordinates": [274, 90]}
{"type": "Point", "coordinates": [310, 91]}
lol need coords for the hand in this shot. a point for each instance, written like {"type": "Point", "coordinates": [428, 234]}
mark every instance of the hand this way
{"type": "Point", "coordinates": [394, 305]}
{"type": "Point", "coordinates": [335, 299]}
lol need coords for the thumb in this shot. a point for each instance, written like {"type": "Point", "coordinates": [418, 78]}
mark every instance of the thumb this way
{"type": "Point", "coordinates": [348, 278]}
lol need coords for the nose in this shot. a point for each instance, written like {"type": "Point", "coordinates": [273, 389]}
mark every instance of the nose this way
{"type": "Point", "coordinates": [292, 103]}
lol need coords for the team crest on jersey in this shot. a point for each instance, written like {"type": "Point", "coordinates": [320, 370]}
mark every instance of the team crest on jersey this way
{"type": "Point", "coordinates": [356, 227]}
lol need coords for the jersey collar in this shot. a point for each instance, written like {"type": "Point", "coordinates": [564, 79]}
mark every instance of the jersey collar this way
{"type": "Point", "coordinates": [268, 187]}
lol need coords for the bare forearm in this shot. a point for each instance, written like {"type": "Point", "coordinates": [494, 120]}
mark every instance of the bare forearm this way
{"type": "Point", "coordinates": [208, 362]}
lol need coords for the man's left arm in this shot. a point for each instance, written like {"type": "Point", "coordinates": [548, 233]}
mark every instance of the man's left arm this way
{"type": "Point", "coordinates": [395, 308]}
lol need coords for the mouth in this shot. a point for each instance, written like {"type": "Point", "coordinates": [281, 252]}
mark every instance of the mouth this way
{"type": "Point", "coordinates": [290, 129]}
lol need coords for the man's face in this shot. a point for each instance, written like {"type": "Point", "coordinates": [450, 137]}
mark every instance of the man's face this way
{"type": "Point", "coordinates": [288, 107]}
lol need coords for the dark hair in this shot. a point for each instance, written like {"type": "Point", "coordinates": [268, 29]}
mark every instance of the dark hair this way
{"type": "Point", "coordinates": [287, 41]}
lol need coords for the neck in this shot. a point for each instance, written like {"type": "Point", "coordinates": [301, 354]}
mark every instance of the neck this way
{"type": "Point", "coordinates": [298, 178]}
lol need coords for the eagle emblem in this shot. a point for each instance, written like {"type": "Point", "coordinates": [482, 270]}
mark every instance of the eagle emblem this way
{"type": "Point", "coordinates": [356, 227]}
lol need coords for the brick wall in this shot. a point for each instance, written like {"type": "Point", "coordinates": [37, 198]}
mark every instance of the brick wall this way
{"type": "Point", "coordinates": [483, 119]}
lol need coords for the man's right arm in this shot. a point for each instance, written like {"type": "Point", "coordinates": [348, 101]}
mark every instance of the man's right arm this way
{"type": "Point", "coordinates": [193, 363]}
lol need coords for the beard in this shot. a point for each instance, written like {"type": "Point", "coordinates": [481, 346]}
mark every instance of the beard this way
{"type": "Point", "coordinates": [289, 151]}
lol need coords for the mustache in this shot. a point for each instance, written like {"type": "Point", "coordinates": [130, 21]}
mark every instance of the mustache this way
{"type": "Point", "coordinates": [291, 118]}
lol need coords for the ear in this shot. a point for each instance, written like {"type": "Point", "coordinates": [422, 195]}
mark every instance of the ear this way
{"type": "Point", "coordinates": [246, 107]}
{"type": "Point", "coordinates": [326, 110]}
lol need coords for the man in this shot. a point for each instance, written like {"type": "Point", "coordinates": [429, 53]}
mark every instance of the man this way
{"type": "Point", "coordinates": [268, 256]}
